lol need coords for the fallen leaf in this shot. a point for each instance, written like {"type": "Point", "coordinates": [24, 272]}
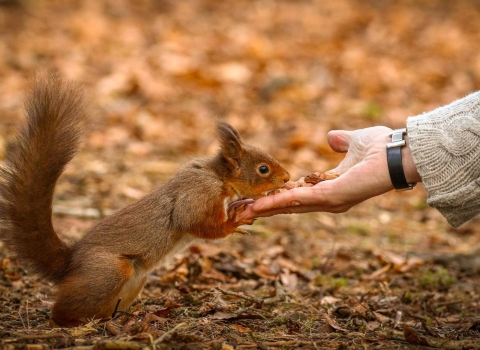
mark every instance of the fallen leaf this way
{"type": "Point", "coordinates": [329, 300]}
{"type": "Point", "coordinates": [220, 315]}
{"type": "Point", "coordinates": [334, 324]}
{"type": "Point", "coordinates": [240, 328]}
{"type": "Point", "coordinates": [289, 280]}
{"type": "Point", "coordinates": [412, 337]}
{"type": "Point", "coordinates": [227, 347]}
{"type": "Point", "coordinates": [378, 273]}
{"type": "Point", "coordinates": [381, 318]}
{"type": "Point", "coordinates": [83, 330]}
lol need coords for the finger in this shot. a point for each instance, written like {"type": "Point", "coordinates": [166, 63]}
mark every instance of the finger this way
{"type": "Point", "coordinates": [339, 140]}
{"type": "Point", "coordinates": [288, 210]}
{"type": "Point", "coordinates": [281, 200]}
{"type": "Point", "coordinates": [247, 213]}
{"type": "Point", "coordinates": [296, 200]}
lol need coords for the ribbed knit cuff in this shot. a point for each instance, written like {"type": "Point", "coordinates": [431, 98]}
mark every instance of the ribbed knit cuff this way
{"type": "Point", "coordinates": [445, 145]}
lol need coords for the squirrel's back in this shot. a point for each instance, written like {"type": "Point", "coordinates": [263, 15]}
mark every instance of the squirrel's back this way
{"type": "Point", "coordinates": [44, 144]}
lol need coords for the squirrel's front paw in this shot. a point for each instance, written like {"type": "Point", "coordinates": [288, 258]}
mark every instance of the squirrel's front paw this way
{"type": "Point", "coordinates": [235, 209]}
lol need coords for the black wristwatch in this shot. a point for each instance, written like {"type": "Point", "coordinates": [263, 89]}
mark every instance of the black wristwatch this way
{"type": "Point", "coordinates": [394, 160]}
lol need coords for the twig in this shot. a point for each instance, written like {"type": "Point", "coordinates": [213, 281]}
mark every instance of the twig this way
{"type": "Point", "coordinates": [429, 330]}
{"type": "Point", "coordinates": [20, 315]}
{"type": "Point", "coordinates": [279, 291]}
{"type": "Point", "coordinates": [167, 334]}
{"type": "Point", "coordinates": [449, 303]}
{"type": "Point", "coordinates": [247, 346]}
{"type": "Point", "coordinates": [20, 336]}
{"type": "Point", "coordinates": [28, 317]}
{"type": "Point", "coordinates": [446, 344]}
{"type": "Point", "coordinates": [241, 296]}
{"type": "Point", "coordinates": [125, 313]}
{"type": "Point", "coordinates": [260, 345]}
{"type": "Point", "coordinates": [118, 344]}
{"type": "Point", "coordinates": [279, 295]}
{"type": "Point", "coordinates": [116, 307]}
{"type": "Point", "coordinates": [418, 317]}
{"type": "Point", "coordinates": [290, 344]}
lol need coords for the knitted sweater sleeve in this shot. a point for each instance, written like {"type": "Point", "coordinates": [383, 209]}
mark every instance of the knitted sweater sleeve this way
{"type": "Point", "coordinates": [445, 145]}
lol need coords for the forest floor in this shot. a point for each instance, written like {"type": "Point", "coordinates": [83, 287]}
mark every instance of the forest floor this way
{"type": "Point", "coordinates": [388, 274]}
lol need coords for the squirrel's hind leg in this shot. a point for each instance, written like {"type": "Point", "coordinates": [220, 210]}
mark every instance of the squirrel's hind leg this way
{"type": "Point", "coordinates": [93, 293]}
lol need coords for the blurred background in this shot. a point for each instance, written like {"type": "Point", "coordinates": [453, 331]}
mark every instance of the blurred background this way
{"type": "Point", "coordinates": [157, 72]}
{"type": "Point", "coordinates": [284, 73]}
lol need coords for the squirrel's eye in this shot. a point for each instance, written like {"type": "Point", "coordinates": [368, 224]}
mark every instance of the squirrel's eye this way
{"type": "Point", "coordinates": [263, 169]}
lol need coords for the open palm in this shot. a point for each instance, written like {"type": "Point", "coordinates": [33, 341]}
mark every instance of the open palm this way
{"type": "Point", "coordinates": [364, 174]}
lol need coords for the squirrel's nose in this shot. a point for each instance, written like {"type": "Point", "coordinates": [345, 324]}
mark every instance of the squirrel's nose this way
{"type": "Point", "coordinates": [286, 177]}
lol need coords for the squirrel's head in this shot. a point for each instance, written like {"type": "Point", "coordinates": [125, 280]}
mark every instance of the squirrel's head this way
{"type": "Point", "coordinates": [250, 172]}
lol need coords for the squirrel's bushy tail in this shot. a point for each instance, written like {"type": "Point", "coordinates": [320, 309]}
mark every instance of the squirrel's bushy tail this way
{"type": "Point", "coordinates": [45, 143]}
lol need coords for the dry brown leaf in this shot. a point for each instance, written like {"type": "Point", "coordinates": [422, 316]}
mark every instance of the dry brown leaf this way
{"type": "Point", "coordinates": [381, 318]}
{"type": "Point", "coordinates": [413, 338]}
{"type": "Point", "coordinates": [378, 273]}
{"type": "Point", "coordinates": [334, 324]}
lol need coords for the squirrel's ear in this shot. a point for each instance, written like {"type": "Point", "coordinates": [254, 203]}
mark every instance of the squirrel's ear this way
{"type": "Point", "coordinates": [231, 144]}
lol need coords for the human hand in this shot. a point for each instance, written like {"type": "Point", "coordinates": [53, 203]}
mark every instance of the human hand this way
{"type": "Point", "coordinates": [363, 175]}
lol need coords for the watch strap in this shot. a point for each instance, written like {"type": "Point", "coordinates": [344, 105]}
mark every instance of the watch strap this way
{"type": "Point", "coordinates": [394, 161]}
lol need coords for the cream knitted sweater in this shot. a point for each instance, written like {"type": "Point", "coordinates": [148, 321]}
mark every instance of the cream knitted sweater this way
{"type": "Point", "coordinates": [445, 145]}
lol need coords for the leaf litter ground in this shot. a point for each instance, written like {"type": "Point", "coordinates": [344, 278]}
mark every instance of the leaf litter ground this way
{"type": "Point", "coordinates": [388, 274]}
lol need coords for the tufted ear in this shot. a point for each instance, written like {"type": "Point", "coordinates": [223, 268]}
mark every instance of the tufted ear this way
{"type": "Point", "coordinates": [231, 144]}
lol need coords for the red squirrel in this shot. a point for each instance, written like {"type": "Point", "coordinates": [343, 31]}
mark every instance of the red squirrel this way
{"type": "Point", "coordinates": [106, 269]}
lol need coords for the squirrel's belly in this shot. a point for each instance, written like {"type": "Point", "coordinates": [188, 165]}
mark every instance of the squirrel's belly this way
{"type": "Point", "coordinates": [131, 288]}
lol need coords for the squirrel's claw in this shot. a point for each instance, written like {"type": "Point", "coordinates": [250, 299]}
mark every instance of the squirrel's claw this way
{"type": "Point", "coordinates": [241, 231]}
{"type": "Point", "coordinates": [235, 209]}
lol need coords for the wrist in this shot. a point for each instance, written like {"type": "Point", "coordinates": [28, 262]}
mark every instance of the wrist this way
{"type": "Point", "coordinates": [401, 167]}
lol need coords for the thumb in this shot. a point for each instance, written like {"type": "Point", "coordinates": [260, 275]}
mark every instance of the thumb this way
{"type": "Point", "coordinates": [339, 140]}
